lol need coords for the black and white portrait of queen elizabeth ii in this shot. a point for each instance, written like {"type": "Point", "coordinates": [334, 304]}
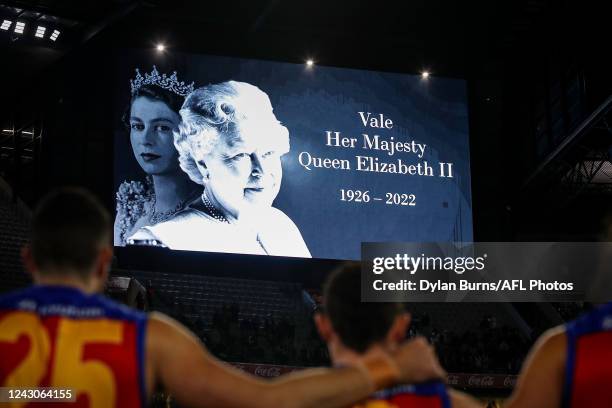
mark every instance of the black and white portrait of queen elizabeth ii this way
{"type": "Point", "coordinates": [151, 118]}
{"type": "Point", "coordinates": [230, 142]}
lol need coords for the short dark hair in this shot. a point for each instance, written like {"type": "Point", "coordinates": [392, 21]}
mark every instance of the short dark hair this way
{"type": "Point", "coordinates": [359, 324]}
{"type": "Point", "coordinates": [68, 228]}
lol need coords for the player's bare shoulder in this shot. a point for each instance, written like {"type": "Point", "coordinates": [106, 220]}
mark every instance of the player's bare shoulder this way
{"type": "Point", "coordinates": [553, 345]}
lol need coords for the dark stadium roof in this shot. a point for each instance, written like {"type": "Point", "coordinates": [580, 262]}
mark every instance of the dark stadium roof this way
{"type": "Point", "coordinates": [517, 55]}
{"type": "Point", "coordinates": [449, 37]}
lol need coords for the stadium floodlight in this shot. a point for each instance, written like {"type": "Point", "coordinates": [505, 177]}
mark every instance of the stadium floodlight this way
{"type": "Point", "coordinates": [6, 24]}
{"type": "Point", "coordinates": [54, 35]}
{"type": "Point", "coordinates": [40, 32]}
{"type": "Point", "coordinates": [19, 26]}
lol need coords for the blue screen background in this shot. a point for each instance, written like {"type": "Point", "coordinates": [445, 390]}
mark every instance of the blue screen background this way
{"type": "Point", "coordinates": [311, 101]}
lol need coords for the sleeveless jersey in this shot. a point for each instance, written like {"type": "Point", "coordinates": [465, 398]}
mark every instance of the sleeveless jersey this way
{"type": "Point", "coordinates": [56, 336]}
{"type": "Point", "coordinates": [588, 368]}
{"type": "Point", "coordinates": [427, 395]}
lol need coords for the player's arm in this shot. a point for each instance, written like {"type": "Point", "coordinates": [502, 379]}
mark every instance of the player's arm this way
{"type": "Point", "coordinates": [462, 400]}
{"type": "Point", "coordinates": [540, 383]}
{"type": "Point", "coordinates": [177, 360]}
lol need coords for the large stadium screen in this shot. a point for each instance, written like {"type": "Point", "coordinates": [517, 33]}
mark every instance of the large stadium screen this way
{"type": "Point", "coordinates": [233, 155]}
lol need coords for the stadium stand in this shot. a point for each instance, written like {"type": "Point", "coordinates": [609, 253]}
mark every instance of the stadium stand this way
{"type": "Point", "coordinates": [267, 322]}
{"type": "Point", "coordinates": [240, 320]}
{"type": "Point", "coordinates": [14, 227]}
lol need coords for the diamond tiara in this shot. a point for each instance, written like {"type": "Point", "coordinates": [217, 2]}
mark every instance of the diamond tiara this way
{"type": "Point", "coordinates": [171, 83]}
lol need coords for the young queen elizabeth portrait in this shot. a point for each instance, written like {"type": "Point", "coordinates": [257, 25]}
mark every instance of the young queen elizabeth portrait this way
{"type": "Point", "coordinates": [152, 117]}
{"type": "Point", "coordinates": [230, 142]}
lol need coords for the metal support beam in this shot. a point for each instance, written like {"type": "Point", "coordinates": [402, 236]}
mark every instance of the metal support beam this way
{"type": "Point", "coordinates": [580, 132]}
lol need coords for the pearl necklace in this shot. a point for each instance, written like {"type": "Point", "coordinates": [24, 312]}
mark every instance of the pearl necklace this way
{"type": "Point", "coordinates": [217, 215]}
{"type": "Point", "coordinates": [212, 211]}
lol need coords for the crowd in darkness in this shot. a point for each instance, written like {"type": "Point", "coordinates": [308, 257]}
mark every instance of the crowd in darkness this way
{"type": "Point", "coordinates": [482, 350]}
{"type": "Point", "coordinates": [295, 342]}
{"type": "Point", "coordinates": [284, 341]}
{"type": "Point", "coordinates": [292, 340]}
{"type": "Point", "coordinates": [571, 310]}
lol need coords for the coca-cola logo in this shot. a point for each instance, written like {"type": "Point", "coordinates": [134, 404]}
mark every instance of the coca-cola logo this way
{"type": "Point", "coordinates": [266, 371]}
{"type": "Point", "coordinates": [474, 380]}
{"type": "Point", "coordinates": [452, 380]}
{"type": "Point", "coordinates": [510, 381]}
{"type": "Point", "coordinates": [487, 381]}
{"type": "Point", "coordinates": [481, 381]}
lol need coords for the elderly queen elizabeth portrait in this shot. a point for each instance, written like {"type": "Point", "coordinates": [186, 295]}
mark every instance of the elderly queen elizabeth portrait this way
{"type": "Point", "coordinates": [230, 142]}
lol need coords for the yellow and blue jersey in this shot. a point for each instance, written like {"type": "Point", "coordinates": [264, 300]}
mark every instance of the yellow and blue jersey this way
{"type": "Point", "coordinates": [588, 368]}
{"type": "Point", "coordinates": [56, 336]}
{"type": "Point", "coordinates": [427, 395]}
